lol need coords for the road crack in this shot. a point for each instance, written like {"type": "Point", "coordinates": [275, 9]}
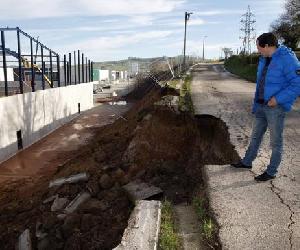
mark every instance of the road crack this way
{"type": "Point", "coordinates": [276, 191]}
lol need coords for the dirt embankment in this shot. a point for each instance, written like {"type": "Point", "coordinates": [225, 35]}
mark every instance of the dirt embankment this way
{"type": "Point", "coordinates": [154, 143]}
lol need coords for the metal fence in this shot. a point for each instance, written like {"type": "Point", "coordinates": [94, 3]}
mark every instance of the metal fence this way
{"type": "Point", "coordinates": [28, 65]}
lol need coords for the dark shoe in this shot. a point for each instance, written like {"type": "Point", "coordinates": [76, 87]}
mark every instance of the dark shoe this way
{"type": "Point", "coordinates": [240, 165]}
{"type": "Point", "coordinates": [264, 177]}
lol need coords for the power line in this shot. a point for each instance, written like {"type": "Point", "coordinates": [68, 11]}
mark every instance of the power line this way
{"type": "Point", "coordinates": [247, 22]}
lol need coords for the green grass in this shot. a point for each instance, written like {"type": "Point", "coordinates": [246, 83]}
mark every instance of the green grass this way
{"type": "Point", "coordinates": [185, 99]}
{"type": "Point", "coordinates": [173, 83]}
{"type": "Point", "coordinates": [208, 227]}
{"type": "Point", "coordinates": [168, 238]}
{"type": "Point", "coordinates": [198, 204]}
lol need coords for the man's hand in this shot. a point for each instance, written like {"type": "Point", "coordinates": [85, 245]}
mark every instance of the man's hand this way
{"type": "Point", "coordinates": [272, 102]}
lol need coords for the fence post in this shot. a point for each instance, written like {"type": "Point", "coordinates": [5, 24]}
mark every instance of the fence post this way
{"type": "Point", "coordinates": [92, 71]}
{"type": "Point", "coordinates": [43, 67]}
{"type": "Point", "coordinates": [51, 69]}
{"type": "Point", "coordinates": [20, 62]}
{"type": "Point", "coordinates": [4, 62]}
{"type": "Point", "coordinates": [58, 70]}
{"type": "Point", "coordinates": [78, 55]}
{"type": "Point", "coordinates": [89, 70]}
{"type": "Point", "coordinates": [43, 74]}
{"type": "Point", "coordinates": [82, 62]}
{"type": "Point", "coordinates": [86, 69]}
{"type": "Point", "coordinates": [32, 66]}
{"type": "Point", "coordinates": [70, 68]}
{"type": "Point", "coordinates": [75, 68]}
{"type": "Point", "coordinates": [65, 69]}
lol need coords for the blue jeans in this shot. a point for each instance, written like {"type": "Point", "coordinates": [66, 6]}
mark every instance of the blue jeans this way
{"type": "Point", "coordinates": [272, 118]}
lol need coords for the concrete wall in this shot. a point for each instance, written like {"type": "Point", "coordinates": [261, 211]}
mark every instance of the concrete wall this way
{"type": "Point", "coordinates": [38, 113]}
{"type": "Point", "coordinates": [10, 74]}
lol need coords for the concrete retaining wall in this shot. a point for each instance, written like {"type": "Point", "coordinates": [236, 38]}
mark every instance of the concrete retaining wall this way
{"type": "Point", "coordinates": [38, 113]}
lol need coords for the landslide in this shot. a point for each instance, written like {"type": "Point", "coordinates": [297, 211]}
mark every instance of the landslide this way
{"type": "Point", "coordinates": [153, 142]}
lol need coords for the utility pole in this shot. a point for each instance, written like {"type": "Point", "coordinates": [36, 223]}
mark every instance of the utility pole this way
{"type": "Point", "coordinates": [247, 27]}
{"type": "Point", "coordinates": [203, 49]}
{"type": "Point", "coordinates": [186, 18]}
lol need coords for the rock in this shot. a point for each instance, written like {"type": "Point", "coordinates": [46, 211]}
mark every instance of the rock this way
{"type": "Point", "coordinates": [106, 181]}
{"type": "Point", "coordinates": [88, 221]}
{"type": "Point", "coordinates": [59, 234]}
{"type": "Point", "coordinates": [71, 179]}
{"type": "Point", "coordinates": [77, 201]}
{"type": "Point", "coordinates": [140, 191]}
{"type": "Point", "coordinates": [59, 203]}
{"type": "Point", "coordinates": [72, 222]}
{"type": "Point", "coordinates": [61, 216]}
{"type": "Point", "coordinates": [51, 198]}
{"type": "Point", "coordinates": [108, 167]}
{"type": "Point", "coordinates": [148, 117]}
{"type": "Point", "coordinates": [125, 180]}
{"type": "Point", "coordinates": [109, 195]}
{"type": "Point", "coordinates": [93, 206]}
{"type": "Point", "coordinates": [72, 243]}
{"type": "Point", "coordinates": [39, 233]}
{"type": "Point", "coordinates": [44, 244]}
{"type": "Point", "coordinates": [93, 187]}
{"type": "Point", "coordinates": [99, 156]}
{"type": "Point", "coordinates": [118, 174]}
{"type": "Point", "coordinates": [24, 242]}
{"type": "Point", "coordinates": [49, 222]}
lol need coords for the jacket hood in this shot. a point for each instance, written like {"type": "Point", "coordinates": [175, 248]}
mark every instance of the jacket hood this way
{"type": "Point", "coordinates": [282, 50]}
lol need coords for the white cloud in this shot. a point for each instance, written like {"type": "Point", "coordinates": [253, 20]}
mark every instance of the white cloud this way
{"type": "Point", "coordinates": [105, 43]}
{"type": "Point", "coordinates": [218, 12]}
{"type": "Point", "coordinates": [180, 23]}
{"type": "Point", "coordinates": [142, 20]}
{"type": "Point", "coordinates": [21, 9]}
{"type": "Point", "coordinates": [196, 22]}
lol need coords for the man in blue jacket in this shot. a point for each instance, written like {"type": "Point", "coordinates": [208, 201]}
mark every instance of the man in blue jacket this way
{"type": "Point", "coordinates": [277, 88]}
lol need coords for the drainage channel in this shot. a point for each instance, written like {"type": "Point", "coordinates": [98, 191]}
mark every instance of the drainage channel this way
{"type": "Point", "coordinates": [90, 207]}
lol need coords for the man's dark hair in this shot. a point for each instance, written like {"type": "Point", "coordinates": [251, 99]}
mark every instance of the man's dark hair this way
{"type": "Point", "coordinates": [267, 38]}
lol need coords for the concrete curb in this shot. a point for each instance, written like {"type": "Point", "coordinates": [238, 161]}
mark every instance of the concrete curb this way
{"type": "Point", "coordinates": [143, 227]}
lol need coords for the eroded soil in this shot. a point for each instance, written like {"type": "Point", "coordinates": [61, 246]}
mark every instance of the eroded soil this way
{"type": "Point", "coordinates": [154, 143]}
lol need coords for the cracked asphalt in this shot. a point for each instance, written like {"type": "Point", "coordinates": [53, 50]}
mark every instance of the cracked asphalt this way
{"type": "Point", "coordinates": [250, 215]}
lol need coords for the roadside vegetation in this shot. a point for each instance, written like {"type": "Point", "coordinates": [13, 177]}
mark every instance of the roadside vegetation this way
{"type": "Point", "coordinates": [185, 99]}
{"type": "Point", "coordinates": [169, 239]}
{"type": "Point", "coordinates": [243, 66]}
{"type": "Point", "coordinates": [174, 83]}
{"type": "Point", "coordinates": [209, 228]}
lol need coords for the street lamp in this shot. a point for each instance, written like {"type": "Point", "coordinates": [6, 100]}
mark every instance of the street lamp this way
{"type": "Point", "coordinates": [203, 48]}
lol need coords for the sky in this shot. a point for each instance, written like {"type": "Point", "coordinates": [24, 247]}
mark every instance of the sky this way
{"type": "Point", "coordinates": [117, 29]}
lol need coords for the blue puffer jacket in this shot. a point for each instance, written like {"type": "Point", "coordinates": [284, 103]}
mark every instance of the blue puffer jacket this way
{"type": "Point", "coordinates": [282, 79]}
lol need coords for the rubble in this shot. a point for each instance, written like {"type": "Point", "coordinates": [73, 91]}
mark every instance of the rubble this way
{"type": "Point", "coordinates": [58, 204]}
{"type": "Point", "coordinates": [71, 179]}
{"type": "Point", "coordinates": [138, 190]}
{"type": "Point", "coordinates": [24, 242]}
{"type": "Point", "coordinates": [78, 200]}
{"type": "Point", "coordinates": [39, 231]}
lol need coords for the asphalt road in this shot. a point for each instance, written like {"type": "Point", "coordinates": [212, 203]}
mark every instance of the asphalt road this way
{"type": "Point", "coordinates": [250, 215]}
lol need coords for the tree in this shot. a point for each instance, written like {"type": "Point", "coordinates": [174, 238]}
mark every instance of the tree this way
{"type": "Point", "coordinates": [287, 26]}
{"type": "Point", "coordinates": [227, 52]}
